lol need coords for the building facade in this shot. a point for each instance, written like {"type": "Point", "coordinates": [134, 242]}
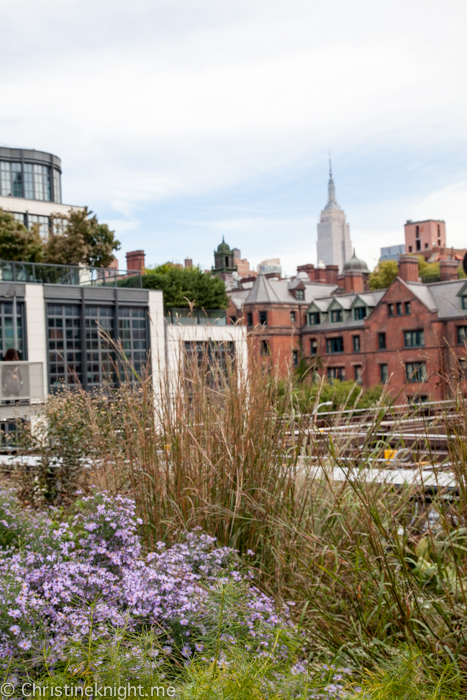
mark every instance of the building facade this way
{"type": "Point", "coordinates": [31, 187]}
{"type": "Point", "coordinates": [334, 246]}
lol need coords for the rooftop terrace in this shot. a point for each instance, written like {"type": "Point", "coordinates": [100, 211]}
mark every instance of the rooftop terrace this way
{"type": "Point", "coordinates": [40, 273]}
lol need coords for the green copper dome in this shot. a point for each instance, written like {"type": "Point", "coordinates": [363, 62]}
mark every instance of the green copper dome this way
{"type": "Point", "coordinates": [355, 265]}
{"type": "Point", "coordinates": [223, 248]}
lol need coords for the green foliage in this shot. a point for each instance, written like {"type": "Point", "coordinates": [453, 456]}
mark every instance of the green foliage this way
{"type": "Point", "coordinates": [17, 242]}
{"type": "Point", "coordinates": [384, 274]}
{"type": "Point", "coordinates": [428, 271]}
{"type": "Point", "coordinates": [81, 240]}
{"type": "Point", "coordinates": [181, 286]}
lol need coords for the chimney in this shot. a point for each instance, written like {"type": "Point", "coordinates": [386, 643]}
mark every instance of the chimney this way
{"type": "Point", "coordinates": [448, 270]}
{"type": "Point", "coordinates": [188, 262]}
{"type": "Point", "coordinates": [135, 260]}
{"type": "Point", "coordinates": [353, 281]}
{"type": "Point", "coordinates": [320, 274]}
{"type": "Point", "coordinates": [309, 269]}
{"type": "Point", "coordinates": [408, 268]}
{"type": "Point", "coordinates": [331, 274]}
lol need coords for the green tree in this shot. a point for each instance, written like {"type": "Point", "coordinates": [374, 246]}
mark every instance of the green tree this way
{"type": "Point", "coordinates": [426, 270]}
{"type": "Point", "coordinates": [79, 238]}
{"type": "Point", "coordinates": [16, 242]}
{"type": "Point", "coordinates": [384, 274]}
{"type": "Point", "coordinates": [181, 285]}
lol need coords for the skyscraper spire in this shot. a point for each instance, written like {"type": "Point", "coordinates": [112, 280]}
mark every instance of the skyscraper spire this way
{"type": "Point", "coordinates": [332, 201]}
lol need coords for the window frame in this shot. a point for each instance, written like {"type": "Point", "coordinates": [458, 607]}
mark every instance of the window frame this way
{"type": "Point", "coordinates": [335, 312]}
{"type": "Point", "coordinates": [413, 336]}
{"type": "Point", "coordinates": [356, 313]}
{"type": "Point", "coordinates": [315, 314]}
{"type": "Point", "coordinates": [263, 314]}
{"type": "Point", "coordinates": [332, 342]}
{"type": "Point", "coordinates": [356, 341]}
{"type": "Point", "coordinates": [416, 375]}
{"type": "Point", "coordinates": [382, 345]}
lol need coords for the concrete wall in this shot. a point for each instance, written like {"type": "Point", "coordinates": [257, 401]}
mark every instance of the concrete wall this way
{"type": "Point", "coordinates": [35, 206]}
{"type": "Point", "coordinates": [36, 328]}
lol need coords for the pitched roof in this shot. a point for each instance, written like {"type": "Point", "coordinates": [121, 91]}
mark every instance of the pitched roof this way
{"type": "Point", "coordinates": [262, 292]}
{"type": "Point", "coordinates": [445, 296]}
{"type": "Point", "coordinates": [275, 291]}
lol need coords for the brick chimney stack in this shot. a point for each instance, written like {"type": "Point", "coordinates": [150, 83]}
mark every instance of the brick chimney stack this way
{"type": "Point", "coordinates": [331, 273]}
{"type": "Point", "coordinates": [320, 275]}
{"type": "Point", "coordinates": [448, 270]}
{"type": "Point", "coordinates": [353, 281]}
{"type": "Point", "coordinates": [408, 268]}
{"type": "Point", "coordinates": [135, 261]}
{"type": "Point", "coordinates": [188, 262]}
{"type": "Point", "coordinates": [309, 269]}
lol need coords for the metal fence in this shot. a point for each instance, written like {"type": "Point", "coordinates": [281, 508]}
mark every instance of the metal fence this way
{"type": "Point", "coordinates": [196, 317]}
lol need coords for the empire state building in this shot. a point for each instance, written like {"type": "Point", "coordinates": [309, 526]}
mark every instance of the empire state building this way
{"type": "Point", "coordinates": [334, 245]}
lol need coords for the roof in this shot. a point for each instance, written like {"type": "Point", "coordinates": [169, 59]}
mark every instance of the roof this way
{"type": "Point", "coordinates": [422, 292]}
{"type": "Point", "coordinates": [274, 291]}
{"type": "Point", "coordinates": [346, 301]}
{"type": "Point", "coordinates": [446, 298]}
{"type": "Point", "coordinates": [355, 264]}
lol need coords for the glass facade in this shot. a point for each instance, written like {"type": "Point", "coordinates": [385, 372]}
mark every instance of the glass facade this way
{"type": "Point", "coordinates": [7, 328]}
{"type": "Point", "coordinates": [64, 344]}
{"type": "Point", "coordinates": [100, 355]}
{"type": "Point", "coordinates": [86, 355]}
{"type": "Point", "coordinates": [30, 181]}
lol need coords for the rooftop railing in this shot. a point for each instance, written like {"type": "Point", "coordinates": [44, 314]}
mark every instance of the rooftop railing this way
{"type": "Point", "coordinates": [41, 273]}
{"type": "Point", "coordinates": [197, 317]}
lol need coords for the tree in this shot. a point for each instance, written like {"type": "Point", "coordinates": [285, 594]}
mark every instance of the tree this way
{"type": "Point", "coordinates": [384, 274]}
{"type": "Point", "coordinates": [16, 242]}
{"type": "Point", "coordinates": [428, 271]}
{"type": "Point", "coordinates": [181, 285]}
{"type": "Point", "coordinates": [79, 238]}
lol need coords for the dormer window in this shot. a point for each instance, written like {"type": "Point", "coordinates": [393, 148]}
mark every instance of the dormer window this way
{"type": "Point", "coordinates": [359, 313]}
{"type": "Point", "coordinates": [464, 302]}
{"type": "Point", "coordinates": [313, 318]}
{"type": "Point", "coordinates": [337, 316]}
{"type": "Point", "coordinates": [299, 294]}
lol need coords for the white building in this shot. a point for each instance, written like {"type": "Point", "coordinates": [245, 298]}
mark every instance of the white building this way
{"type": "Point", "coordinates": [334, 246]}
{"type": "Point", "coordinates": [57, 330]}
{"type": "Point", "coordinates": [31, 187]}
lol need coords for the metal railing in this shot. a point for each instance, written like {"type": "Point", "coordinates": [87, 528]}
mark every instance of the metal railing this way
{"type": "Point", "coordinates": [196, 317]}
{"type": "Point", "coordinates": [42, 273]}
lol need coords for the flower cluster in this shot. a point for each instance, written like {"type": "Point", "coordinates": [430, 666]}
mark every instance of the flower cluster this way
{"type": "Point", "coordinates": [64, 582]}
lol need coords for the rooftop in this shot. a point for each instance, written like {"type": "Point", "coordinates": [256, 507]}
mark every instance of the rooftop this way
{"type": "Point", "coordinates": [77, 275]}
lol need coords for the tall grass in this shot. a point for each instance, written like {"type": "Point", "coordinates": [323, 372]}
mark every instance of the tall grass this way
{"type": "Point", "coordinates": [367, 566]}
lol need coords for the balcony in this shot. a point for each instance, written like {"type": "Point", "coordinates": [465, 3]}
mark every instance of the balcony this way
{"type": "Point", "coordinates": [197, 317]}
{"type": "Point", "coordinates": [40, 273]}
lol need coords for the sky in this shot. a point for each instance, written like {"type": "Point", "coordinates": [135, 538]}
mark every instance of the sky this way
{"type": "Point", "coordinates": [179, 122]}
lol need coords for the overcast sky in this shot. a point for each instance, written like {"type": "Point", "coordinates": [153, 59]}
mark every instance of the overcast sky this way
{"type": "Point", "coordinates": [181, 121]}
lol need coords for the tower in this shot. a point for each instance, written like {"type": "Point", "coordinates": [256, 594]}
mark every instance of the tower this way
{"type": "Point", "coordinates": [334, 246]}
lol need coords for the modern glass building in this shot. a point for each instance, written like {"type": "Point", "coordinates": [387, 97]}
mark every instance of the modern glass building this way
{"type": "Point", "coordinates": [31, 186]}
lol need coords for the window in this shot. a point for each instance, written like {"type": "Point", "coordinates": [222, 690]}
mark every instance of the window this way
{"type": "Point", "coordinates": [43, 222]}
{"type": "Point", "coordinates": [249, 318]}
{"type": "Point", "coordinates": [356, 343]}
{"type": "Point", "coordinates": [57, 187]}
{"type": "Point", "coordinates": [265, 347]}
{"type": "Point", "coordinates": [414, 339]}
{"type": "Point", "coordinates": [390, 309]}
{"type": "Point", "coordinates": [335, 345]}
{"type": "Point", "coordinates": [17, 179]}
{"type": "Point", "coordinates": [207, 355]}
{"type": "Point", "coordinates": [358, 374]}
{"type": "Point", "coordinates": [415, 371]}
{"type": "Point", "coordinates": [410, 248]}
{"type": "Point", "coordinates": [313, 346]}
{"type": "Point", "coordinates": [337, 316]}
{"type": "Point", "coordinates": [382, 341]}
{"type": "Point", "coordinates": [7, 328]}
{"type": "Point", "coordinates": [299, 294]}
{"type": "Point", "coordinates": [313, 318]}
{"type": "Point", "coordinates": [399, 308]}
{"type": "Point", "coordinates": [426, 245]}
{"type": "Point", "coordinates": [383, 373]}
{"type": "Point", "coordinates": [462, 369]}
{"type": "Point", "coordinates": [28, 181]}
{"type": "Point", "coordinates": [292, 317]}
{"type": "Point", "coordinates": [132, 334]}
{"type": "Point", "coordinates": [407, 307]}
{"type": "Point", "coordinates": [461, 334]}
{"type": "Point", "coordinates": [336, 373]}
{"type": "Point", "coordinates": [295, 358]}
{"type": "Point", "coordinates": [64, 344]}
{"type": "Point", "coordinates": [359, 313]}
{"type": "Point", "coordinates": [464, 302]}
{"type": "Point", "coordinates": [5, 179]}
{"type": "Point", "coordinates": [100, 356]}
{"type": "Point", "coordinates": [263, 318]}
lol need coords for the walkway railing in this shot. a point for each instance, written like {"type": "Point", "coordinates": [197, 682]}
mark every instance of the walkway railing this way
{"type": "Point", "coordinates": [41, 273]}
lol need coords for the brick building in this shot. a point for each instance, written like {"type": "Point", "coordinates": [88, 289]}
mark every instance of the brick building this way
{"type": "Point", "coordinates": [409, 336]}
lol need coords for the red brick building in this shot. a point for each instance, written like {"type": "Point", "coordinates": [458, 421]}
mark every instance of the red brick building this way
{"type": "Point", "coordinates": [409, 336]}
